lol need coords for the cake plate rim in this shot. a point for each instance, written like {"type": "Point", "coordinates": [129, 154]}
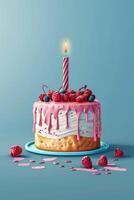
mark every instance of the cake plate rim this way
{"type": "Point", "coordinates": [30, 147]}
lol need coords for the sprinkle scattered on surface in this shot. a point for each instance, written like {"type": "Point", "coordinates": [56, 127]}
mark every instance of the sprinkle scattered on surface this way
{"type": "Point", "coordinates": [56, 163]}
{"type": "Point", "coordinates": [17, 159]}
{"type": "Point", "coordinates": [97, 173]}
{"type": "Point", "coordinates": [116, 169]}
{"type": "Point", "coordinates": [32, 161]}
{"type": "Point", "coordinates": [61, 166]}
{"type": "Point", "coordinates": [49, 159]}
{"type": "Point", "coordinates": [23, 164]}
{"type": "Point", "coordinates": [38, 167]}
{"type": "Point", "coordinates": [68, 161]}
{"type": "Point", "coordinates": [84, 169]}
{"type": "Point", "coordinates": [107, 173]}
{"type": "Point", "coordinates": [41, 162]}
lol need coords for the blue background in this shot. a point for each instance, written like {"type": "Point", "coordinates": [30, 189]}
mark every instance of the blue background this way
{"type": "Point", "coordinates": [102, 38]}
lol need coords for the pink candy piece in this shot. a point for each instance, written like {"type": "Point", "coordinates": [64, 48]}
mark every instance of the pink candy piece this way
{"type": "Point", "coordinates": [56, 163]}
{"type": "Point", "coordinates": [83, 169]}
{"type": "Point", "coordinates": [116, 169]}
{"type": "Point", "coordinates": [23, 164]}
{"type": "Point", "coordinates": [41, 162]}
{"type": "Point", "coordinates": [49, 159]}
{"type": "Point", "coordinates": [61, 166]}
{"type": "Point", "coordinates": [68, 161]}
{"type": "Point", "coordinates": [38, 167]}
{"type": "Point", "coordinates": [96, 173]}
{"type": "Point", "coordinates": [108, 172]}
{"type": "Point", "coordinates": [17, 159]}
{"type": "Point", "coordinates": [31, 161]}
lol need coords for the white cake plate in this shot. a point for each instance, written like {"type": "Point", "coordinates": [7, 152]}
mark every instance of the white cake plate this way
{"type": "Point", "coordinates": [32, 148]}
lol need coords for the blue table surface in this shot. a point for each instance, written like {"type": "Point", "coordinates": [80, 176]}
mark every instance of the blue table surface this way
{"type": "Point", "coordinates": [61, 183]}
{"type": "Point", "coordinates": [101, 33]}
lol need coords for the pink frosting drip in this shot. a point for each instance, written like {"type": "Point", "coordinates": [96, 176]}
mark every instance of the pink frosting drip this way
{"type": "Point", "coordinates": [34, 118]}
{"type": "Point", "coordinates": [52, 108]}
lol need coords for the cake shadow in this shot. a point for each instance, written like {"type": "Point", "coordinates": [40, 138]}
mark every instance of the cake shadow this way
{"type": "Point", "coordinates": [128, 150]}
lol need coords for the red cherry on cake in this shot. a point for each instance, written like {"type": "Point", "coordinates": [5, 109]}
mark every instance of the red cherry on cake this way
{"type": "Point", "coordinates": [118, 152]}
{"type": "Point", "coordinates": [87, 162]}
{"type": "Point", "coordinates": [41, 97]}
{"type": "Point", "coordinates": [72, 97]}
{"type": "Point", "coordinates": [56, 96]}
{"type": "Point", "coordinates": [80, 99]}
{"type": "Point", "coordinates": [15, 150]}
{"type": "Point", "coordinates": [102, 161]}
{"type": "Point", "coordinates": [69, 91]}
{"type": "Point", "coordinates": [85, 96]}
{"type": "Point", "coordinates": [49, 93]}
{"type": "Point", "coordinates": [65, 97]}
{"type": "Point", "coordinates": [78, 93]}
{"type": "Point", "coordinates": [88, 92]}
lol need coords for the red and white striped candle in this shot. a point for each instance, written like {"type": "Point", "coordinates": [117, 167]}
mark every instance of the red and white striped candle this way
{"type": "Point", "coordinates": [65, 67]}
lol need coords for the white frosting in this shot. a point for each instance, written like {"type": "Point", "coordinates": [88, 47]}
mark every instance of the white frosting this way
{"type": "Point", "coordinates": [86, 128]}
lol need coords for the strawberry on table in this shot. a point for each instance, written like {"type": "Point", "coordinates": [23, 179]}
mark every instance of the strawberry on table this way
{"type": "Point", "coordinates": [118, 152]}
{"type": "Point", "coordinates": [103, 161]}
{"type": "Point", "coordinates": [15, 150]}
{"type": "Point", "coordinates": [87, 162]}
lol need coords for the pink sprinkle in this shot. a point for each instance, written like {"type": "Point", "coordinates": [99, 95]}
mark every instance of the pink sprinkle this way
{"type": "Point", "coordinates": [116, 169]}
{"type": "Point", "coordinates": [68, 161]}
{"type": "Point", "coordinates": [31, 161]}
{"type": "Point", "coordinates": [23, 164]}
{"type": "Point", "coordinates": [38, 167]}
{"type": "Point", "coordinates": [61, 166]}
{"type": "Point", "coordinates": [56, 163]}
{"type": "Point", "coordinates": [84, 169]}
{"type": "Point", "coordinates": [108, 172]}
{"type": "Point", "coordinates": [49, 159]}
{"type": "Point", "coordinates": [17, 159]}
{"type": "Point", "coordinates": [41, 162]}
{"type": "Point", "coordinates": [96, 173]}
{"type": "Point", "coordinates": [73, 169]}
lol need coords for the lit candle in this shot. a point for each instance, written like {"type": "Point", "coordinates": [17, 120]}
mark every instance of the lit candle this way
{"type": "Point", "coordinates": [66, 65]}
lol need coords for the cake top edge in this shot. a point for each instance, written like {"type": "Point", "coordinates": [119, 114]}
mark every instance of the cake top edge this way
{"type": "Point", "coordinates": [96, 101]}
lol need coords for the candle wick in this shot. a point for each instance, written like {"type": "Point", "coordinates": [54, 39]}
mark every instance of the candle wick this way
{"type": "Point", "coordinates": [66, 53]}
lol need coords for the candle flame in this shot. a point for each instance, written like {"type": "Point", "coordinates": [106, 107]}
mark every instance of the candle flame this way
{"type": "Point", "coordinates": [66, 46]}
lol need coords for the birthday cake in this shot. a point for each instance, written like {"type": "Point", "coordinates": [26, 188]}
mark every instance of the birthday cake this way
{"type": "Point", "coordinates": [66, 120]}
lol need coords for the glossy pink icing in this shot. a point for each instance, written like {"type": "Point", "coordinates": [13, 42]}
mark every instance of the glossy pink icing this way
{"type": "Point", "coordinates": [52, 108]}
